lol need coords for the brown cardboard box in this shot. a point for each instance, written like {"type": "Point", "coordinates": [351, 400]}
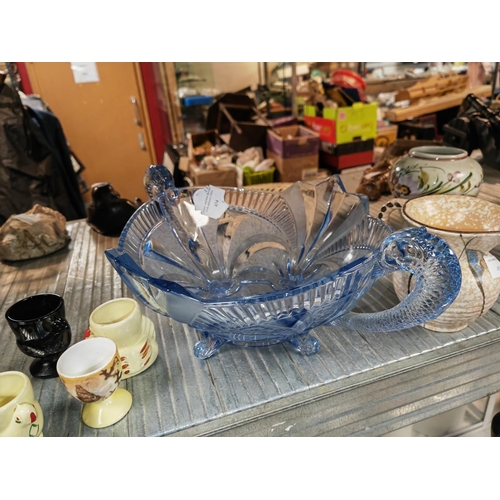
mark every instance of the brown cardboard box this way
{"type": "Point", "coordinates": [293, 141]}
{"type": "Point", "coordinates": [386, 134]}
{"type": "Point", "coordinates": [295, 169]}
{"type": "Point", "coordinates": [295, 150]}
{"type": "Point", "coordinates": [220, 177]}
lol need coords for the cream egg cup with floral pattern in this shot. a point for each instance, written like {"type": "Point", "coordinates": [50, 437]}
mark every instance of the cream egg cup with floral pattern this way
{"type": "Point", "coordinates": [133, 333]}
{"type": "Point", "coordinates": [91, 371]}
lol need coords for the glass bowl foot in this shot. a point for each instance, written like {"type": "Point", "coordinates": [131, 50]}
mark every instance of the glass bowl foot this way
{"type": "Point", "coordinates": [208, 346]}
{"type": "Point", "coordinates": [305, 344]}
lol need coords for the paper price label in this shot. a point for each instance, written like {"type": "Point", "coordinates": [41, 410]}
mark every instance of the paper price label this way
{"type": "Point", "coordinates": [210, 201]}
{"type": "Point", "coordinates": [493, 265]}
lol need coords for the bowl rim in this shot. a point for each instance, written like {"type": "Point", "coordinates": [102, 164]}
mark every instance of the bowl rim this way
{"type": "Point", "coordinates": [438, 153]}
{"type": "Point", "coordinates": [175, 289]}
{"type": "Point", "coordinates": [458, 199]}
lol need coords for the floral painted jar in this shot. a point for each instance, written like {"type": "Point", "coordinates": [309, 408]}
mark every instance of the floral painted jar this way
{"type": "Point", "coordinates": [435, 170]}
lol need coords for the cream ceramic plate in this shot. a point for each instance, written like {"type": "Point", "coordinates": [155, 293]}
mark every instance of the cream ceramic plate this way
{"type": "Point", "coordinates": [463, 214]}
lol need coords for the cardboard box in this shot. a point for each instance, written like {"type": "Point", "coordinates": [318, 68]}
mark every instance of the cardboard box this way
{"type": "Point", "coordinates": [295, 150]}
{"type": "Point", "coordinates": [294, 141]}
{"type": "Point", "coordinates": [358, 121]}
{"type": "Point", "coordinates": [323, 127]}
{"type": "Point", "coordinates": [351, 123]}
{"type": "Point", "coordinates": [386, 134]}
{"type": "Point", "coordinates": [295, 169]}
{"type": "Point", "coordinates": [224, 177]}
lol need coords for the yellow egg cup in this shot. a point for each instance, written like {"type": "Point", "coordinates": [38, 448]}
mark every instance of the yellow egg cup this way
{"type": "Point", "coordinates": [133, 333]}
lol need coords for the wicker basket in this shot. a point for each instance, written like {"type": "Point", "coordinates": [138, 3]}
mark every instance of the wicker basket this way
{"type": "Point", "coordinates": [265, 177]}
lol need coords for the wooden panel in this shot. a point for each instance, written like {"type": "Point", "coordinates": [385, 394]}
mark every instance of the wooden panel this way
{"type": "Point", "coordinates": [435, 104]}
{"type": "Point", "coordinates": [98, 121]}
{"type": "Point", "coordinates": [143, 109]}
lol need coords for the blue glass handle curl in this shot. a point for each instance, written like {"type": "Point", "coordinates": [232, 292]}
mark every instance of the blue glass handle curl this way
{"type": "Point", "coordinates": [438, 278]}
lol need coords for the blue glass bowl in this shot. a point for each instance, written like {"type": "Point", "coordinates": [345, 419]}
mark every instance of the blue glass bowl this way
{"type": "Point", "coordinates": [270, 267]}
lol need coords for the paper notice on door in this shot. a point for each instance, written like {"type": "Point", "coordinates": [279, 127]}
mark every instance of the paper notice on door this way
{"type": "Point", "coordinates": [85, 72]}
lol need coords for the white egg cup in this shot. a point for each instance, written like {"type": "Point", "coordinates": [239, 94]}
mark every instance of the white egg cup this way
{"type": "Point", "coordinates": [91, 371]}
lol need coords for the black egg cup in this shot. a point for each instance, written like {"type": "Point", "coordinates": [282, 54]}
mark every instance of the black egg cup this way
{"type": "Point", "coordinates": [46, 351]}
{"type": "Point", "coordinates": [41, 331]}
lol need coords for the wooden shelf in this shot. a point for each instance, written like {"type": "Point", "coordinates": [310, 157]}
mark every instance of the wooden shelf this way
{"type": "Point", "coordinates": [432, 105]}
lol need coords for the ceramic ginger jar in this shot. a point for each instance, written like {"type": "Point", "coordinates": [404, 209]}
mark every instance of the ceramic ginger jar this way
{"type": "Point", "coordinates": [435, 170]}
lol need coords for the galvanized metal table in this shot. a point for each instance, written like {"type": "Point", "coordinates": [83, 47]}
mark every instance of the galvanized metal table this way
{"type": "Point", "coordinates": [357, 385]}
